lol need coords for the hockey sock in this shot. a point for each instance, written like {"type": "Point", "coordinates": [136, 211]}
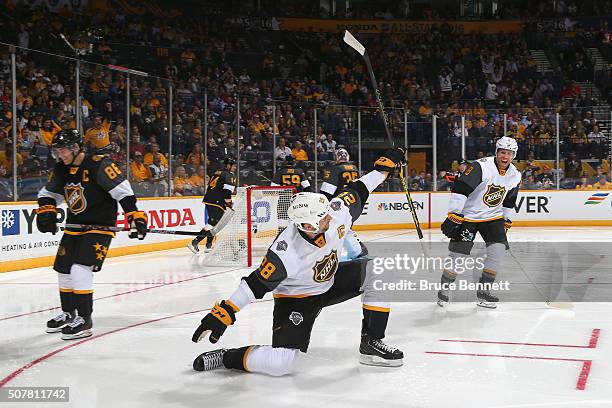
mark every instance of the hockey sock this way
{"type": "Point", "coordinates": [488, 276]}
{"type": "Point", "coordinates": [374, 321]}
{"type": "Point", "coordinates": [236, 358]}
{"type": "Point", "coordinates": [82, 278]}
{"type": "Point", "coordinates": [66, 292]}
{"type": "Point", "coordinates": [448, 276]}
{"type": "Point", "coordinates": [84, 304]}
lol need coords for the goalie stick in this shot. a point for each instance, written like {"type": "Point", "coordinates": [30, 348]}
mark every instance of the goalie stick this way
{"type": "Point", "coordinates": [357, 46]}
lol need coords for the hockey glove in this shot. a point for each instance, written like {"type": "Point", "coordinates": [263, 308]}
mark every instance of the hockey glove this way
{"type": "Point", "coordinates": [229, 204]}
{"type": "Point", "coordinates": [138, 224]}
{"type": "Point", "coordinates": [391, 159]}
{"type": "Point", "coordinates": [46, 218]}
{"type": "Point", "coordinates": [507, 224]}
{"type": "Point", "coordinates": [215, 322]}
{"type": "Point", "coordinates": [453, 225]}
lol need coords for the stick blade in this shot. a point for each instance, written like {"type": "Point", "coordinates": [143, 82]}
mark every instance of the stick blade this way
{"type": "Point", "coordinates": [353, 42]}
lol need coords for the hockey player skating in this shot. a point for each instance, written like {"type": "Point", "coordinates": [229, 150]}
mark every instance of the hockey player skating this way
{"type": "Point", "coordinates": [218, 202]}
{"type": "Point", "coordinates": [342, 173]}
{"type": "Point", "coordinates": [303, 271]}
{"type": "Point", "coordinates": [291, 177]}
{"type": "Point", "coordinates": [482, 200]}
{"type": "Point", "coordinates": [91, 186]}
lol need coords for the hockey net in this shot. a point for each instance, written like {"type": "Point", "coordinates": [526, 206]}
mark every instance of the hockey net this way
{"type": "Point", "coordinates": [260, 214]}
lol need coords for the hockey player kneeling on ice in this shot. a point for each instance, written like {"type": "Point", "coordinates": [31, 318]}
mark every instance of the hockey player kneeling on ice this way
{"type": "Point", "coordinates": [218, 205]}
{"type": "Point", "coordinates": [482, 200]}
{"type": "Point", "coordinates": [303, 271]}
{"type": "Point", "coordinates": [91, 186]}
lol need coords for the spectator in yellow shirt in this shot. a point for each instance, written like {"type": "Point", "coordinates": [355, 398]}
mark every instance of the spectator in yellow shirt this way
{"type": "Point", "coordinates": [48, 130]}
{"type": "Point", "coordinates": [602, 184]}
{"type": "Point", "coordinates": [139, 172]}
{"type": "Point", "coordinates": [99, 134]}
{"type": "Point", "coordinates": [182, 184]}
{"type": "Point", "coordinates": [148, 158]}
{"type": "Point", "coordinates": [198, 180]}
{"type": "Point", "coordinates": [298, 151]}
{"type": "Point", "coordinates": [6, 160]}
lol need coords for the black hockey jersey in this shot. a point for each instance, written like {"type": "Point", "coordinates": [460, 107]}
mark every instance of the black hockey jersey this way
{"type": "Point", "coordinates": [91, 191]}
{"type": "Point", "coordinates": [220, 188]}
{"type": "Point", "coordinates": [289, 176]}
{"type": "Point", "coordinates": [337, 177]}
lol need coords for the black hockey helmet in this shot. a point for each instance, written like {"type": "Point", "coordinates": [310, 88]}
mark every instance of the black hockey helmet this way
{"type": "Point", "coordinates": [289, 161]}
{"type": "Point", "coordinates": [67, 138]}
{"type": "Point", "coordinates": [229, 161]}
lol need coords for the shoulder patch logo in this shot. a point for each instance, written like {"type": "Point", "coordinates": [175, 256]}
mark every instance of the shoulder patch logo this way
{"type": "Point", "coordinates": [281, 245]}
{"type": "Point", "coordinates": [335, 205]}
{"type": "Point", "coordinates": [296, 318]}
{"type": "Point", "coordinates": [483, 160]}
{"type": "Point", "coordinates": [75, 197]}
{"type": "Point", "coordinates": [325, 269]}
{"type": "Point", "coordinates": [494, 195]}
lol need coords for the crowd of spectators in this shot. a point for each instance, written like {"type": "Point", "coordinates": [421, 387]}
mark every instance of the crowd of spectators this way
{"type": "Point", "coordinates": [275, 81]}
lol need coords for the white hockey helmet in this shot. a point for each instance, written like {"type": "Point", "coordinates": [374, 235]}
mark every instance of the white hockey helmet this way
{"type": "Point", "coordinates": [308, 208]}
{"type": "Point", "coordinates": [506, 143]}
{"type": "Point", "coordinates": [342, 154]}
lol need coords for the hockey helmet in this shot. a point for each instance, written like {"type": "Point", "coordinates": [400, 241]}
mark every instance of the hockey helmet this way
{"type": "Point", "coordinates": [342, 155]}
{"type": "Point", "coordinates": [506, 143]}
{"type": "Point", "coordinates": [66, 138]}
{"type": "Point", "coordinates": [308, 208]}
{"type": "Point", "coordinates": [289, 160]}
{"type": "Point", "coordinates": [229, 161]}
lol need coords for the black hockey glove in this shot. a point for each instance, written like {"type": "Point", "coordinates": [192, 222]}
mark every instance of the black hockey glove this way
{"type": "Point", "coordinates": [453, 225]}
{"type": "Point", "coordinates": [391, 159]}
{"type": "Point", "coordinates": [215, 322]}
{"type": "Point", "coordinates": [46, 218]}
{"type": "Point", "coordinates": [138, 224]}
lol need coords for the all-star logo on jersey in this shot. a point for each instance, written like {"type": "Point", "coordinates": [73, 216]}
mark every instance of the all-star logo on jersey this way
{"type": "Point", "coordinates": [325, 269]}
{"type": "Point", "coordinates": [494, 195]}
{"type": "Point", "coordinates": [75, 198]}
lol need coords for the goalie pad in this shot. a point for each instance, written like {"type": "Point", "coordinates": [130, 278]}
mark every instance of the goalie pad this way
{"type": "Point", "coordinates": [225, 219]}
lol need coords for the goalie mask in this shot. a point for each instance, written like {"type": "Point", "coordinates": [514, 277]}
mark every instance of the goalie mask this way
{"type": "Point", "coordinates": [342, 155]}
{"type": "Point", "coordinates": [308, 208]}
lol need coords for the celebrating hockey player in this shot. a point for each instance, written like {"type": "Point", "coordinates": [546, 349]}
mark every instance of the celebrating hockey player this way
{"type": "Point", "coordinates": [342, 173]}
{"type": "Point", "coordinates": [290, 176]}
{"type": "Point", "coordinates": [482, 200]}
{"type": "Point", "coordinates": [91, 187]}
{"type": "Point", "coordinates": [302, 269]}
{"type": "Point", "coordinates": [218, 204]}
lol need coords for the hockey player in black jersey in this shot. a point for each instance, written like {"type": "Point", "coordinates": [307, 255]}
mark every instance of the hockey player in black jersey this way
{"type": "Point", "coordinates": [334, 179]}
{"type": "Point", "coordinates": [290, 176]}
{"type": "Point", "coordinates": [341, 173]}
{"type": "Point", "coordinates": [218, 202]}
{"type": "Point", "coordinates": [91, 186]}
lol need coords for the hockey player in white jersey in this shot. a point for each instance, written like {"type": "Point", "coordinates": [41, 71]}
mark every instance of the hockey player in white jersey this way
{"type": "Point", "coordinates": [303, 271]}
{"type": "Point", "coordinates": [482, 200]}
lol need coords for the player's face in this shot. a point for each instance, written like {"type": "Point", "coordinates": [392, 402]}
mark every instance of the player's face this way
{"type": "Point", "coordinates": [323, 226]}
{"type": "Point", "coordinates": [65, 154]}
{"type": "Point", "coordinates": [504, 157]}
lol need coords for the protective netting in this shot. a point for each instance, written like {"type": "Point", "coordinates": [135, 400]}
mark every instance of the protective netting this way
{"type": "Point", "coordinates": [237, 244]}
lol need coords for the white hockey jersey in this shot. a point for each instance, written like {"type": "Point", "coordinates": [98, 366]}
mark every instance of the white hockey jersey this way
{"type": "Point", "coordinates": [483, 192]}
{"type": "Point", "coordinates": [297, 265]}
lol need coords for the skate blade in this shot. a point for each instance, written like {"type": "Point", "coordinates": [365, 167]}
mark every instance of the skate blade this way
{"type": "Point", "coordinates": [55, 330]}
{"type": "Point", "coordinates": [486, 305]}
{"type": "Point", "coordinates": [192, 248]}
{"type": "Point", "coordinates": [367, 359]}
{"type": "Point", "coordinates": [79, 335]}
{"type": "Point", "coordinates": [442, 303]}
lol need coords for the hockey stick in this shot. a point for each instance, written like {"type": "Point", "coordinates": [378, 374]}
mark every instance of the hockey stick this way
{"type": "Point", "coordinates": [556, 305]}
{"type": "Point", "coordinates": [121, 229]}
{"type": "Point", "coordinates": [357, 46]}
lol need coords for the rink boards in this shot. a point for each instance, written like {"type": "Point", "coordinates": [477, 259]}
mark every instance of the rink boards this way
{"type": "Point", "coordinates": [23, 246]}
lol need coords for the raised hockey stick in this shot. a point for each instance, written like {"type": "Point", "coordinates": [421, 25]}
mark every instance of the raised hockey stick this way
{"type": "Point", "coordinates": [121, 229]}
{"type": "Point", "coordinates": [357, 46]}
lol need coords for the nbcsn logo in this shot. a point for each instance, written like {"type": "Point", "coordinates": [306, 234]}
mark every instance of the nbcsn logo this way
{"type": "Point", "coordinates": [596, 198]}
